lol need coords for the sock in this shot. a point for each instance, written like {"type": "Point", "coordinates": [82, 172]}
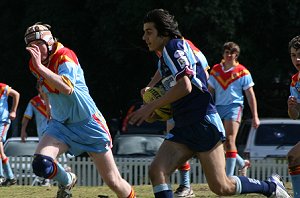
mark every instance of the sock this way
{"type": "Point", "coordinates": [230, 162]}
{"type": "Point", "coordinates": [163, 191]}
{"type": "Point", "coordinates": [7, 168]}
{"type": "Point", "coordinates": [240, 161]}
{"type": "Point", "coordinates": [295, 175]}
{"type": "Point", "coordinates": [248, 185]}
{"type": "Point", "coordinates": [184, 171]}
{"type": "Point", "coordinates": [63, 177]}
{"type": "Point", "coordinates": [164, 194]}
{"type": "Point", "coordinates": [132, 194]}
{"type": "Point", "coordinates": [1, 169]}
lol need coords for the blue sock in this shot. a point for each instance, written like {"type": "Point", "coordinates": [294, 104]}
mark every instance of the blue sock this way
{"type": "Point", "coordinates": [230, 166]}
{"type": "Point", "coordinates": [248, 185]}
{"type": "Point", "coordinates": [164, 194]}
{"type": "Point", "coordinates": [7, 169]}
{"type": "Point", "coordinates": [163, 191]}
{"type": "Point", "coordinates": [240, 161]}
{"type": "Point", "coordinates": [296, 185]}
{"type": "Point", "coordinates": [62, 176]}
{"type": "Point", "coordinates": [185, 178]}
{"type": "Point", "coordinates": [1, 169]}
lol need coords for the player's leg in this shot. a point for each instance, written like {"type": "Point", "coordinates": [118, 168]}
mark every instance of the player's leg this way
{"type": "Point", "coordinates": [167, 159]}
{"type": "Point", "coordinates": [184, 189]}
{"type": "Point", "coordinates": [294, 168]}
{"type": "Point", "coordinates": [45, 164]}
{"type": "Point", "coordinates": [231, 129]}
{"type": "Point", "coordinates": [109, 172]}
{"type": "Point", "coordinates": [2, 178]}
{"type": "Point", "coordinates": [213, 164]}
{"type": "Point", "coordinates": [244, 165]}
{"type": "Point", "coordinates": [10, 178]}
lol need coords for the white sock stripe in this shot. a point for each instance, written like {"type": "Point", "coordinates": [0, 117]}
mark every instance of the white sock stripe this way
{"type": "Point", "coordinates": [161, 187]}
{"type": "Point", "coordinates": [238, 185]}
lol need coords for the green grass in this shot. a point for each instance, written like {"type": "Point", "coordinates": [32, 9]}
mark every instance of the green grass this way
{"type": "Point", "coordinates": [200, 190]}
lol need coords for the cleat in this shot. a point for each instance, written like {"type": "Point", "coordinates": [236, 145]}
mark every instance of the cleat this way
{"type": "Point", "coordinates": [9, 182]}
{"type": "Point", "coordinates": [243, 171]}
{"type": "Point", "coordinates": [280, 191]}
{"type": "Point", "coordinates": [2, 179]}
{"type": "Point", "coordinates": [183, 191]}
{"type": "Point", "coordinates": [65, 191]}
{"type": "Point", "coordinates": [45, 183]}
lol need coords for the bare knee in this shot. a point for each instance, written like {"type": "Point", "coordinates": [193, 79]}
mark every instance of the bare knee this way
{"type": "Point", "coordinates": [157, 174]}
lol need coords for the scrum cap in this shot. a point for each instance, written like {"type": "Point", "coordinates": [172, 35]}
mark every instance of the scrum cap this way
{"type": "Point", "coordinates": [39, 31]}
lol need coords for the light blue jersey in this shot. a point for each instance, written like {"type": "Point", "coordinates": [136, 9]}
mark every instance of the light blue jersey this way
{"type": "Point", "coordinates": [36, 107]}
{"type": "Point", "coordinates": [229, 85]}
{"type": "Point", "coordinates": [75, 119]}
{"type": "Point", "coordinates": [4, 112]}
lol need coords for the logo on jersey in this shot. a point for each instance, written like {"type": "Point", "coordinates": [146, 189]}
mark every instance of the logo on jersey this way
{"type": "Point", "coordinates": [168, 82]}
{"type": "Point", "coordinates": [183, 62]}
{"type": "Point", "coordinates": [178, 53]}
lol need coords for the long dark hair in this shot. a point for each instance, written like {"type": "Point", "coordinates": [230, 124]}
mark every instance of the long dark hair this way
{"type": "Point", "coordinates": [164, 22]}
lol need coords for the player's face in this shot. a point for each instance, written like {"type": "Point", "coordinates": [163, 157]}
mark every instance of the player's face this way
{"type": "Point", "coordinates": [43, 49]}
{"type": "Point", "coordinates": [295, 56]}
{"type": "Point", "coordinates": [154, 42]}
{"type": "Point", "coordinates": [229, 56]}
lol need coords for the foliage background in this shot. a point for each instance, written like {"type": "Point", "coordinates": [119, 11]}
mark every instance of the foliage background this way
{"type": "Point", "coordinates": [107, 37]}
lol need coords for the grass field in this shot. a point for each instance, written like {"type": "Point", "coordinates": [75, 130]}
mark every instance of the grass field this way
{"type": "Point", "coordinates": [200, 190]}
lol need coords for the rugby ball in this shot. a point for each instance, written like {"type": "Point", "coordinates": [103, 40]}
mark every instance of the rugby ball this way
{"type": "Point", "coordinates": [161, 114]}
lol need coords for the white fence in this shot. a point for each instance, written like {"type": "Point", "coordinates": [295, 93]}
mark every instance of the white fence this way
{"type": "Point", "coordinates": [135, 170]}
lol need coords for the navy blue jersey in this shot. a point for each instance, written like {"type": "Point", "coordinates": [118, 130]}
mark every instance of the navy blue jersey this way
{"type": "Point", "coordinates": [178, 60]}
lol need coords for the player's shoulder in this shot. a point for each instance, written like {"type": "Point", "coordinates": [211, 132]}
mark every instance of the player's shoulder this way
{"type": "Point", "coordinates": [216, 67]}
{"type": "Point", "coordinates": [295, 78]}
{"type": "Point", "coordinates": [175, 44]}
{"type": "Point", "coordinates": [3, 85]}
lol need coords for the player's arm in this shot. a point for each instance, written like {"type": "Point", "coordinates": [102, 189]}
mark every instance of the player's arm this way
{"type": "Point", "coordinates": [16, 96]}
{"type": "Point", "coordinates": [154, 80]}
{"type": "Point", "coordinates": [54, 79]}
{"type": "Point", "coordinates": [253, 106]}
{"type": "Point", "coordinates": [293, 107]}
{"type": "Point", "coordinates": [211, 90]}
{"type": "Point", "coordinates": [25, 121]}
{"type": "Point", "coordinates": [47, 103]}
{"type": "Point", "coordinates": [182, 88]}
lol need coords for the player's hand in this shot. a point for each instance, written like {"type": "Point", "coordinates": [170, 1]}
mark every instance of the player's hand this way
{"type": "Point", "coordinates": [139, 116]}
{"type": "Point", "coordinates": [255, 122]}
{"type": "Point", "coordinates": [292, 102]}
{"type": "Point", "coordinates": [12, 115]}
{"type": "Point", "coordinates": [23, 136]}
{"type": "Point", "coordinates": [144, 90]}
{"type": "Point", "coordinates": [35, 53]}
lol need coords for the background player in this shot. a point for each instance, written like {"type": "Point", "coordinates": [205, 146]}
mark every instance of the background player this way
{"type": "Point", "coordinates": [293, 111]}
{"type": "Point", "coordinates": [6, 117]}
{"type": "Point", "coordinates": [227, 82]}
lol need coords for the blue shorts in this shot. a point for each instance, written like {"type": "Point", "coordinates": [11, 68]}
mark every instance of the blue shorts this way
{"type": "Point", "coordinates": [86, 136]}
{"type": "Point", "coordinates": [200, 136]}
{"type": "Point", "coordinates": [231, 112]}
{"type": "Point", "coordinates": [4, 126]}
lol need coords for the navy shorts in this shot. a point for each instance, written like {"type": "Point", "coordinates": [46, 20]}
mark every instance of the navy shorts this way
{"type": "Point", "coordinates": [200, 136]}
